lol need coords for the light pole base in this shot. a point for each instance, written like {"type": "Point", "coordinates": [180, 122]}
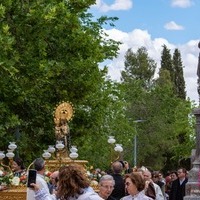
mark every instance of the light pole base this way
{"type": "Point", "coordinates": [193, 184]}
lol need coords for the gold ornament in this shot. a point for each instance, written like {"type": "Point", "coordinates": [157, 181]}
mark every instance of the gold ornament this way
{"type": "Point", "coordinates": [63, 113]}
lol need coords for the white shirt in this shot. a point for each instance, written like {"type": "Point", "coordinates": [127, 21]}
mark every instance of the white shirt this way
{"type": "Point", "coordinates": [159, 194]}
{"type": "Point", "coordinates": [139, 196]}
{"type": "Point", "coordinates": [181, 181]}
{"type": "Point", "coordinates": [41, 183]}
{"type": "Point", "coordinates": [87, 195]}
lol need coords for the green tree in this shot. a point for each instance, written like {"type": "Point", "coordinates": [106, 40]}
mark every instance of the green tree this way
{"type": "Point", "coordinates": [137, 80]}
{"type": "Point", "coordinates": [183, 132]}
{"type": "Point", "coordinates": [106, 117]}
{"type": "Point", "coordinates": [166, 62]}
{"type": "Point", "coordinates": [49, 52]}
{"type": "Point", "coordinates": [174, 115]}
{"type": "Point", "coordinates": [159, 107]}
{"type": "Point", "coordinates": [139, 66]}
{"type": "Point", "coordinates": [179, 81]}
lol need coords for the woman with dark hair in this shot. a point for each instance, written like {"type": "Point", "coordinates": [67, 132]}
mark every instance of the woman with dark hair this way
{"type": "Point", "coordinates": [134, 185]}
{"type": "Point", "coordinates": [18, 167]}
{"type": "Point", "coordinates": [73, 184]}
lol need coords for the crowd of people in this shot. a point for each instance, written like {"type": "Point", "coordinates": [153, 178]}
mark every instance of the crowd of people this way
{"type": "Point", "coordinates": [71, 182]}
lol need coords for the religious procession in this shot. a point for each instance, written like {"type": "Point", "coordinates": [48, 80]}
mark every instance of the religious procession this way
{"type": "Point", "coordinates": [90, 112]}
{"type": "Point", "coordinates": [66, 177]}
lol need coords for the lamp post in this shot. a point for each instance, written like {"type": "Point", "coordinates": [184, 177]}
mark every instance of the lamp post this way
{"type": "Point", "coordinates": [135, 141]}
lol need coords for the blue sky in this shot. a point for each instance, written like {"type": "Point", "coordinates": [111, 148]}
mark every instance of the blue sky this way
{"type": "Point", "coordinates": [152, 23]}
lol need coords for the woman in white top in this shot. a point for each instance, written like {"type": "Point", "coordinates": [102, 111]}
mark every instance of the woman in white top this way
{"type": "Point", "coordinates": [134, 185]}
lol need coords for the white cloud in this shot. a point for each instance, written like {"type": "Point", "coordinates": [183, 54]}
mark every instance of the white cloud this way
{"type": "Point", "coordinates": [181, 3]}
{"type": "Point", "coordinates": [137, 38]}
{"type": "Point", "coordinates": [116, 5]}
{"type": "Point", "coordinates": [173, 26]}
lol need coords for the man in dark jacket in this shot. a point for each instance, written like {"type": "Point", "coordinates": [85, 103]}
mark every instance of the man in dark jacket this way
{"type": "Point", "coordinates": [119, 188]}
{"type": "Point", "coordinates": [177, 191]}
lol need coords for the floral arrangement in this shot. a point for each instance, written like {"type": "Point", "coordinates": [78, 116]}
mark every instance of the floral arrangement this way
{"type": "Point", "coordinates": [93, 174]}
{"type": "Point", "coordinates": [47, 175]}
{"type": "Point", "coordinates": [8, 179]}
{"type": "Point", "coordinates": [5, 178]}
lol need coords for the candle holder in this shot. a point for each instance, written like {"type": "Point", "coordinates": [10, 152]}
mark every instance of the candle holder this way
{"type": "Point", "coordinates": [117, 148]}
{"type": "Point", "coordinates": [10, 155]}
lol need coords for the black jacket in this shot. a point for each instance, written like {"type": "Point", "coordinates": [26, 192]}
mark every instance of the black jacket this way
{"type": "Point", "coordinates": [110, 198]}
{"type": "Point", "coordinates": [119, 188]}
{"type": "Point", "coordinates": [177, 191]}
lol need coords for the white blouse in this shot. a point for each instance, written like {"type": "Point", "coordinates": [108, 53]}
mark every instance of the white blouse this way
{"type": "Point", "coordinates": [139, 196]}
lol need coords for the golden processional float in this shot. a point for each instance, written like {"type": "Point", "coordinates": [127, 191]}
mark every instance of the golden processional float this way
{"type": "Point", "coordinates": [55, 156]}
{"type": "Point", "coordinates": [62, 154]}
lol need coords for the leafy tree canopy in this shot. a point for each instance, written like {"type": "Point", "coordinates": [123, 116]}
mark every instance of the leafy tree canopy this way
{"type": "Point", "coordinates": [49, 52]}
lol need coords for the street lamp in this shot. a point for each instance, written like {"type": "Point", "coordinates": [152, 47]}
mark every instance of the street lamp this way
{"type": "Point", "coordinates": [135, 141]}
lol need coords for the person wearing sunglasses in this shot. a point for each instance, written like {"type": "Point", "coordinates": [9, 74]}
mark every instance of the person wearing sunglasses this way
{"type": "Point", "coordinates": [134, 185]}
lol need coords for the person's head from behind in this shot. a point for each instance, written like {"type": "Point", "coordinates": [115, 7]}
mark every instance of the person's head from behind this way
{"type": "Point", "coordinates": [72, 179]}
{"type": "Point", "coordinates": [17, 165]}
{"type": "Point", "coordinates": [106, 186]}
{"type": "Point", "coordinates": [134, 183]}
{"type": "Point", "coordinates": [117, 167]}
{"type": "Point", "coordinates": [39, 164]}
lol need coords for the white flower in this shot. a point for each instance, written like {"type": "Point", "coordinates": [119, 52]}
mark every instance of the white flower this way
{"type": "Point", "coordinates": [88, 173]}
{"type": "Point", "coordinates": [99, 175]}
{"type": "Point", "coordinates": [1, 173]}
{"type": "Point", "coordinates": [15, 180]}
{"type": "Point", "coordinates": [94, 183]}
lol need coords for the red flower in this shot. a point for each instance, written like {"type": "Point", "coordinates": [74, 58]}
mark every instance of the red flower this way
{"type": "Point", "coordinates": [22, 178]}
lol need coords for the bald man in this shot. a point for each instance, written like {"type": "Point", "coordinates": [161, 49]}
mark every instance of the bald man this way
{"type": "Point", "coordinates": [119, 188]}
{"type": "Point", "coordinates": [53, 182]}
